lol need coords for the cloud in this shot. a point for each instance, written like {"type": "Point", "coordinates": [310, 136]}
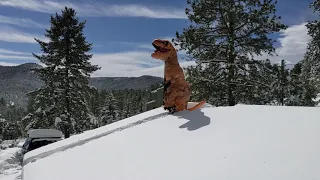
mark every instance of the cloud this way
{"type": "Point", "coordinates": [121, 64]}
{"type": "Point", "coordinates": [7, 64]}
{"type": "Point", "coordinates": [14, 55]}
{"type": "Point", "coordinates": [145, 46]}
{"type": "Point", "coordinates": [129, 64]}
{"type": "Point", "coordinates": [21, 22]}
{"type": "Point", "coordinates": [9, 34]}
{"type": "Point", "coordinates": [2, 56]}
{"type": "Point", "coordinates": [6, 51]}
{"type": "Point", "coordinates": [293, 44]}
{"type": "Point", "coordinates": [97, 9]}
{"type": "Point", "coordinates": [148, 46]}
{"type": "Point", "coordinates": [158, 70]}
{"type": "Point", "coordinates": [133, 63]}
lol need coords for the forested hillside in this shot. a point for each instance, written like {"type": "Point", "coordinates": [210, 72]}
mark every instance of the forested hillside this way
{"type": "Point", "coordinates": [106, 107]}
{"type": "Point", "coordinates": [16, 81]}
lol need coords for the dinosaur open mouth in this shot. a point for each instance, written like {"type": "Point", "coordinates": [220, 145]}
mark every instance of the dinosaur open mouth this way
{"type": "Point", "coordinates": [159, 49]}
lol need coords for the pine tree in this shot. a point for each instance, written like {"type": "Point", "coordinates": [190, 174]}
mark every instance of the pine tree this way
{"type": "Point", "coordinates": [11, 131]}
{"type": "Point", "coordinates": [3, 124]}
{"type": "Point", "coordinates": [310, 70]}
{"type": "Point", "coordinates": [228, 34]}
{"type": "Point", "coordinates": [311, 63]}
{"type": "Point", "coordinates": [94, 102]}
{"type": "Point", "coordinates": [2, 103]}
{"type": "Point", "coordinates": [295, 88]}
{"type": "Point", "coordinates": [308, 79]}
{"type": "Point", "coordinates": [109, 112]}
{"type": "Point", "coordinates": [265, 77]}
{"type": "Point", "coordinates": [9, 122]}
{"type": "Point", "coordinates": [140, 103]}
{"type": "Point", "coordinates": [2, 107]}
{"type": "Point", "coordinates": [62, 102]}
{"type": "Point", "coordinates": [205, 78]}
{"type": "Point", "coordinates": [279, 87]}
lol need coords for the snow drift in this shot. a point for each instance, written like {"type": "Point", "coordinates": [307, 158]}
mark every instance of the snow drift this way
{"type": "Point", "coordinates": [10, 163]}
{"type": "Point", "coordinates": [243, 142]}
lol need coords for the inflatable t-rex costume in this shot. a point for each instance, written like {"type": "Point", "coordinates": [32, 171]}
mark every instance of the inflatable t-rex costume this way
{"type": "Point", "coordinates": [177, 90]}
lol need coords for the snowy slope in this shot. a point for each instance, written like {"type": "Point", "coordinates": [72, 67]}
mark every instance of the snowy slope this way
{"type": "Point", "coordinates": [241, 143]}
{"type": "Point", "coordinates": [10, 167]}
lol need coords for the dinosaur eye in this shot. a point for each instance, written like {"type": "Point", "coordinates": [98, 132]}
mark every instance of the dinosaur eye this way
{"type": "Point", "coordinates": [165, 43]}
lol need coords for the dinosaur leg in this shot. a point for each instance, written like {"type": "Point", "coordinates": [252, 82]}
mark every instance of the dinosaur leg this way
{"type": "Point", "coordinates": [182, 101]}
{"type": "Point", "coordinates": [166, 91]}
{"type": "Point", "coordinates": [183, 98]}
{"type": "Point", "coordinates": [181, 104]}
{"type": "Point", "coordinates": [169, 99]}
{"type": "Point", "coordinates": [178, 98]}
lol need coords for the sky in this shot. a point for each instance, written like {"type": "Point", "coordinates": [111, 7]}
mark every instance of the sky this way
{"type": "Point", "coordinates": [122, 31]}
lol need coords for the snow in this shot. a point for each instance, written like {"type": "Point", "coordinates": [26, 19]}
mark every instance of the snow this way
{"type": "Point", "coordinates": [10, 167]}
{"type": "Point", "coordinates": [41, 133]}
{"type": "Point", "coordinates": [243, 142]}
{"type": "Point", "coordinates": [19, 142]}
{"type": "Point", "coordinates": [6, 144]}
{"type": "Point", "coordinates": [317, 100]}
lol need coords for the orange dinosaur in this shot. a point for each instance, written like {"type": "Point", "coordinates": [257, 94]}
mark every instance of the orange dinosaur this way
{"type": "Point", "coordinates": [177, 90]}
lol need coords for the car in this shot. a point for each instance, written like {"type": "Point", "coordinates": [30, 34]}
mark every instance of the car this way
{"type": "Point", "coordinates": [41, 137]}
{"type": "Point", "coordinates": [19, 142]}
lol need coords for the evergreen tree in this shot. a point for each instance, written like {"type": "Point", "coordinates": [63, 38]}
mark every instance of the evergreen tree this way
{"type": "Point", "coordinates": [2, 103]}
{"type": "Point", "coordinates": [310, 70]}
{"type": "Point", "coordinates": [311, 63]}
{"type": "Point", "coordinates": [62, 102]}
{"type": "Point", "coordinates": [30, 104]}
{"type": "Point", "coordinates": [3, 124]}
{"type": "Point", "coordinates": [94, 102]}
{"type": "Point", "coordinates": [308, 81]}
{"type": "Point", "coordinates": [265, 77]}
{"type": "Point", "coordinates": [109, 113]}
{"type": "Point", "coordinates": [279, 87]}
{"type": "Point", "coordinates": [295, 88]}
{"type": "Point", "coordinates": [227, 34]}
{"type": "Point", "coordinates": [204, 82]}
{"type": "Point", "coordinates": [140, 103]}
{"type": "Point", "coordinates": [11, 131]}
{"type": "Point", "coordinates": [2, 107]}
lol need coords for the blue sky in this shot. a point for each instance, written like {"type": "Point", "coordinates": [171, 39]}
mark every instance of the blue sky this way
{"type": "Point", "coordinates": [122, 31]}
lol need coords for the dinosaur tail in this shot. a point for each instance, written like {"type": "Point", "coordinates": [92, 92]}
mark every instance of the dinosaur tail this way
{"type": "Point", "coordinates": [197, 106]}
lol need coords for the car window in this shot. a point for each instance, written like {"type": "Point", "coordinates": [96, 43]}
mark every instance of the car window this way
{"type": "Point", "coordinates": [26, 144]}
{"type": "Point", "coordinates": [37, 144]}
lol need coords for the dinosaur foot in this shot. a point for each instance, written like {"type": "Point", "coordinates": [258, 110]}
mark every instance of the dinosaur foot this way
{"type": "Point", "coordinates": [171, 110]}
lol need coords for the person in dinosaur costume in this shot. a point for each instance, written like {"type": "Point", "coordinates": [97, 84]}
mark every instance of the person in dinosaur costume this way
{"type": "Point", "coordinates": [177, 90]}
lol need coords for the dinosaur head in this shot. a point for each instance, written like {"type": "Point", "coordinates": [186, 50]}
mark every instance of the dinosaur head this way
{"type": "Point", "coordinates": [163, 49]}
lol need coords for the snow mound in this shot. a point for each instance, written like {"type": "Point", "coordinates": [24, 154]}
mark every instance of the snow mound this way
{"type": "Point", "coordinates": [10, 162]}
{"type": "Point", "coordinates": [243, 142]}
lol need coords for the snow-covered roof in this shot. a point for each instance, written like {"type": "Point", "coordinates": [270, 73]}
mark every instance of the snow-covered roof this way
{"type": "Point", "coordinates": [43, 133]}
{"type": "Point", "coordinates": [243, 142]}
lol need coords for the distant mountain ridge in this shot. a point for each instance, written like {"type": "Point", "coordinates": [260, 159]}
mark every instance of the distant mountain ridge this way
{"type": "Point", "coordinates": [16, 81]}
